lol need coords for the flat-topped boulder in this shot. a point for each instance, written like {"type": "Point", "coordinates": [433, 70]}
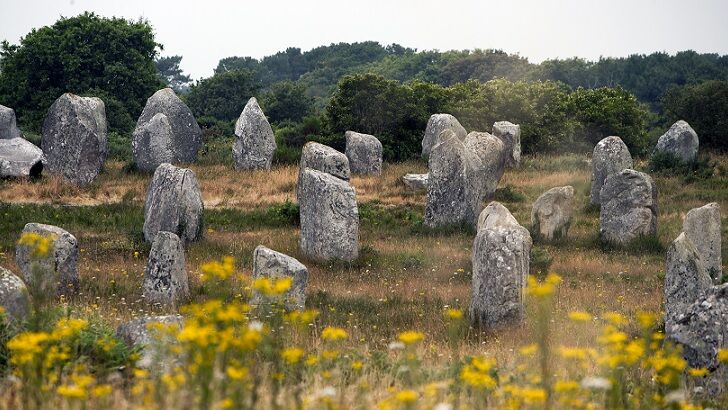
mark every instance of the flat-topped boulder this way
{"type": "Point", "coordinates": [551, 213]}
{"type": "Point", "coordinates": [364, 152]}
{"type": "Point", "coordinates": [268, 263]}
{"type": "Point", "coordinates": [254, 140]}
{"type": "Point", "coordinates": [325, 159]}
{"type": "Point", "coordinates": [680, 140]}
{"type": "Point", "coordinates": [75, 138]}
{"type": "Point", "coordinates": [629, 207]}
{"type": "Point", "coordinates": [165, 278]}
{"type": "Point", "coordinates": [610, 156]}
{"type": "Point", "coordinates": [416, 182]}
{"type": "Point", "coordinates": [152, 143]}
{"type": "Point", "coordinates": [492, 154]}
{"type": "Point", "coordinates": [435, 126]}
{"type": "Point", "coordinates": [702, 226]}
{"type": "Point", "coordinates": [510, 134]}
{"type": "Point", "coordinates": [14, 296]}
{"type": "Point", "coordinates": [20, 158]}
{"type": "Point", "coordinates": [55, 273]}
{"type": "Point", "coordinates": [174, 204]}
{"type": "Point", "coordinates": [8, 126]}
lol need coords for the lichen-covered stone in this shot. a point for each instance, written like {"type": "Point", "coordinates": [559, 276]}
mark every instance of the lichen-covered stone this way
{"type": "Point", "coordinates": [20, 158]}
{"type": "Point", "coordinates": [510, 134]}
{"type": "Point", "coordinates": [551, 213]}
{"type": "Point", "coordinates": [416, 182]}
{"type": "Point", "coordinates": [364, 152]}
{"type": "Point", "coordinates": [8, 126]}
{"type": "Point", "coordinates": [329, 217]}
{"type": "Point", "coordinates": [495, 215]}
{"type": "Point", "coordinates": [680, 140]}
{"type": "Point", "coordinates": [610, 156]}
{"type": "Point", "coordinates": [268, 263]}
{"type": "Point", "coordinates": [14, 297]}
{"type": "Point", "coordinates": [254, 140]}
{"type": "Point", "coordinates": [702, 226]}
{"type": "Point", "coordinates": [174, 204]}
{"type": "Point", "coordinates": [152, 143]}
{"type": "Point", "coordinates": [165, 279]}
{"type": "Point", "coordinates": [140, 333]}
{"type": "Point", "coordinates": [492, 154]}
{"type": "Point", "coordinates": [74, 138]}
{"type": "Point", "coordinates": [57, 272]}
{"type": "Point", "coordinates": [186, 133]}
{"type": "Point", "coordinates": [322, 158]}
{"type": "Point", "coordinates": [629, 207]}
{"type": "Point", "coordinates": [435, 126]}
{"type": "Point", "coordinates": [685, 278]}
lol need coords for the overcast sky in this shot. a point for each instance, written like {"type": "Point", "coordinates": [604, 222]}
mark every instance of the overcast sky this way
{"type": "Point", "coordinates": [203, 32]}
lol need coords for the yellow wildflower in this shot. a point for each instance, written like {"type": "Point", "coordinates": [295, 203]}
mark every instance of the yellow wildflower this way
{"type": "Point", "coordinates": [579, 316]}
{"type": "Point", "coordinates": [723, 356]}
{"type": "Point", "coordinates": [406, 396]}
{"type": "Point", "coordinates": [411, 337]}
{"type": "Point", "coordinates": [701, 372]}
{"type": "Point", "coordinates": [454, 314]}
{"type": "Point", "coordinates": [273, 287]}
{"type": "Point", "coordinates": [292, 355]}
{"type": "Point", "coordinates": [218, 270]}
{"type": "Point", "coordinates": [334, 334]}
{"type": "Point", "coordinates": [40, 245]}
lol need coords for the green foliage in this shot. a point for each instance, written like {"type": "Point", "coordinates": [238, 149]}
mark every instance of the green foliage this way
{"type": "Point", "coordinates": [667, 163]}
{"type": "Point", "coordinates": [224, 95]}
{"type": "Point", "coordinates": [119, 147]}
{"type": "Point", "coordinates": [213, 128]}
{"type": "Point", "coordinates": [171, 74]}
{"type": "Point", "coordinates": [705, 107]}
{"type": "Point", "coordinates": [286, 101]}
{"type": "Point", "coordinates": [509, 194]}
{"type": "Point", "coordinates": [87, 54]}
{"type": "Point", "coordinates": [540, 262]}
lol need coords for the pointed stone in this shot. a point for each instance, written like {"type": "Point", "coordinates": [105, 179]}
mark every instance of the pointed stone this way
{"type": "Point", "coordinates": [186, 133]}
{"type": "Point", "coordinates": [152, 143]}
{"type": "Point", "coordinates": [496, 215]}
{"type": "Point", "coordinates": [254, 140]}
{"type": "Point", "coordinates": [174, 204]}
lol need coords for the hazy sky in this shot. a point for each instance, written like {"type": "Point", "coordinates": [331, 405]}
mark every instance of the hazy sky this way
{"type": "Point", "coordinates": [205, 31]}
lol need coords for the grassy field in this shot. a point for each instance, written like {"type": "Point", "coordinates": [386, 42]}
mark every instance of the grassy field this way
{"type": "Point", "coordinates": [406, 275]}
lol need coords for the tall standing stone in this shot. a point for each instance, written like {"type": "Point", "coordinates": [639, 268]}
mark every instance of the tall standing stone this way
{"type": "Point", "coordinates": [55, 273]}
{"type": "Point", "coordinates": [702, 226]}
{"type": "Point", "coordinates": [165, 279]}
{"type": "Point", "coordinates": [152, 143]}
{"type": "Point", "coordinates": [14, 297]}
{"type": "Point", "coordinates": [325, 159]}
{"type": "Point", "coordinates": [685, 279]}
{"type": "Point", "coordinates": [680, 140]}
{"type": "Point", "coordinates": [510, 134]}
{"type": "Point", "coordinates": [551, 213]}
{"type": "Point", "coordinates": [74, 138]}
{"type": "Point", "coordinates": [435, 126]}
{"type": "Point", "coordinates": [329, 217]}
{"type": "Point", "coordinates": [186, 133]}
{"type": "Point", "coordinates": [20, 158]}
{"type": "Point", "coordinates": [268, 263]}
{"type": "Point", "coordinates": [492, 154]}
{"type": "Point", "coordinates": [629, 207]}
{"type": "Point", "coordinates": [8, 126]}
{"type": "Point", "coordinates": [364, 152]}
{"type": "Point", "coordinates": [254, 140]}
{"type": "Point", "coordinates": [174, 204]}
{"type": "Point", "coordinates": [610, 156]}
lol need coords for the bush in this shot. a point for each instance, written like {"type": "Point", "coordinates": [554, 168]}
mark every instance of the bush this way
{"type": "Point", "coordinates": [668, 164]}
{"type": "Point", "coordinates": [214, 128]}
{"type": "Point", "coordinates": [224, 95]}
{"type": "Point", "coordinates": [119, 147]}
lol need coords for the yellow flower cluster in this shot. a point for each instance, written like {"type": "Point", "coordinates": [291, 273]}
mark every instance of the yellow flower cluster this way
{"type": "Point", "coordinates": [411, 337]}
{"type": "Point", "coordinates": [39, 245]}
{"type": "Point", "coordinates": [272, 287]}
{"type": "Point", "coordinates": [334, 334]}
{"type": "Point", "coordinates": [479, 373]}
{"type": "Point", "coordinates": [545, 288]}
{"type": "Point", "coordinates": [219, 270]}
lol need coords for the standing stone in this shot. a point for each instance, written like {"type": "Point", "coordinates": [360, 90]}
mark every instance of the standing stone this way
{"type": "Point", "coordinates": [268, 263]}
{"type": "Point", "coordinates": [186, 133]}
{"type": "Point", "coordinates": [629, 207]}
{"type": "Point", "coordinates": [152, 143]}
{"type": "Point", "coordinates": [322, 158]}
{"type": "Point", "coordinates": [174, 204]}
{"type": "Point", "coordinates": [254, 140]}
{"type": "Point", "coordinates": [74, 138]}
{"type": "Point", "coordinates": [702, 226]}
{"type": "Point", "coordinates": [495, 215]}
{"type": "Point", "coordinates": [14, 297]}
{"type": "Point", "coordinates": [140, 333]}
{"type": "Point", "coordinates": [455, 187]}
{"type": "Point", "coordinates": [364, 152]}
{"type": "Point", "coordinates": [551, 213]}
{"type": "Point", "coordinates": [685, 279]}
{"type": "Point", "coordinates": [165, 279]}
{"type": "Point", "coordinates": [500, 268]}
{"type": "Point", "coordinates": [20, 158]}
{"type": "Point", "coordinates": [610, 156]}
{"type": "Point", "coordinates": [492, 153]}
{"type": "Point", "coordinates": [329, 217]}
{"type": "Point", "coordinates": [416, 182]}
{"type": "Point", "coordinates": [510, 134]}
{"type": "Point", "coordinates": [680, 140]}
{"type": "Point", "coordinates": [57, 272]}
{"type": "Point", "coordinates": [8, 127]}
{"type": "Point", "coordinates": [435, 126]}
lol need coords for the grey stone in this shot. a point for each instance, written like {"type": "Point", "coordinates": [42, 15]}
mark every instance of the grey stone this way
{"type": "Point", "coordinates": [435, 126]}
{"type": "Point", "coordinates": [8, 127]}
{"type": "Point", "coordinates": [14, 297]}
{"type": "Point", "coordinates": [254, 140]}
{"type": "Point", "coordinates": [629, 207]}
{"type": "Point", "coordinates": [20, 158]}
{"type": "Point", "coordinates": [165, 279]}
{"type": "Point", "coordinates": [152, 143]}
{"type": "Point", "coordinates": [680, 140]}
{"type": "Point", "coordinates": [329, 217]}
{"type": "Point", "coordinates": [268, 263]}
{"type": "Point", "coordinates": [186, 133]}
{"type": "Point", "coordinates": [496, 215]}
{"type": "Point", "coordinates": [492, 153]}
{"type": "Point", "coordinates": [551, 213]}
{"type": "Point", "coordinates": [364, 152]}
{"type": "Point", "coordinates": [322, 158]}
{"type": "Point", "coordinates": [174, 204]}
{"type": "Point", "coordinates": [702, 226]}
{"type": "Point", "coordinates": [510, 134]}
{"type": "Point", "coordinates": [140, 333]}
{"type": "Point", "coordinates": [55, 273]}
{"type": "Point", "coordinates": [610, 156]}
{"type": "Point", "coordinates": [74, 138]}
{"type": "Point", "coordinates": [416, 182]}
{"type": "Point", "coordinates": [685, 279]}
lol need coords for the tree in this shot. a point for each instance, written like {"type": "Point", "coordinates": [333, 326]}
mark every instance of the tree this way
{"type": "Point", "coordinates": [705, 107]}
{"type": "Point", "coordinates": [224, 95]}
{"type": "Point", "coordinates": [172, 75]}
{"type": "Point", "coordinates": [83, 54]}
{"type": "Point", "coordinates": [286, 101]}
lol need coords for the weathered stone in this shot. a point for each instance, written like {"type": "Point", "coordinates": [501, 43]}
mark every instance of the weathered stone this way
{"type": "Point", "coordinates": [416, 182]}
{"type": "Point", "coordinates": [551, 213]}
{"type": "Point", "coordinates": [186, 133]}
{"type": "Point", "coordinates": [610, 156]}
{"type": "Point", "coordinates": [140, 333]}
{"type": "Point", "coordinates": [685, 279]}
{"type": "Point", "coordinates": [74, 138]}
{"type": "Point", "coordinates": [492, 153]}
{"type": "Point", "coordinates": [165, 279]}
{"type": "Point", "coordinates": [500, 268]}
{"type": "Point", "coordinates": [55, 273]}
{"type": "Point", "coordinates": [364, 152]}
{"type": "Point", "coordinates": [510, 134]}
{"type": "Point", "coordinates": [152, 143]}
{"type": "Point", "coordinates": [496, 215]}
{"type": "Point", "coordinates": [455, 188]}
{"type": "Point", "coordinates": [629, 207]}
{"type": "Point", "coordinates": [174, 204]}
{"type": "Point", "coordinates": [435, 126]}
{"type": "Point", "coordinates": [20, 158]}
{"type": "Point", "coordinates": [329, 217]}
{"type": "Point", "coordinates": [702, 226]}
{"type": "Point", "coordinates": [8, 127]}
{"type": "Point", "coordinates": [268, 263]}
{"type": "Point", "coordinates": [680, 140]}
{"type": "Point", "coordinates": [254, 140]}
{"type": "Point", "coordinates": [325, 159]}
{"type": "Point", "coordinates": [14, 297]}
